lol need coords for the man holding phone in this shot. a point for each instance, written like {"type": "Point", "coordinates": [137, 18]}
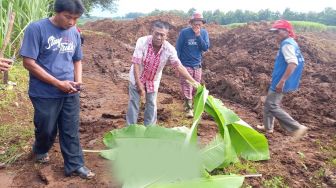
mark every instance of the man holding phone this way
{"type": "Point", "coordinates": [52, 54]}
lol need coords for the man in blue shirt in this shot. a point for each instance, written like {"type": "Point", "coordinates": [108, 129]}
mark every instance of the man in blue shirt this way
{"type": "Point", "coordinates": [52, 54]}
{"type": "Point", "coordinates": [191, 43]}
{"type": "Point", "coordinates": [286, 77]}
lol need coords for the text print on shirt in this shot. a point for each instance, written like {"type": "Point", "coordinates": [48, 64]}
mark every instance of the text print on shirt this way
{"type": "Point", "coordinates": [64, 46]}
{"type": "Point", "coordinates": [192, 42]}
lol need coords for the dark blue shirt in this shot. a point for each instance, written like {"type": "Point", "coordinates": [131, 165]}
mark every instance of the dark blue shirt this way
{"type": "Point", "coordinates": [190, 48]}
{"type": "Point", "coordinates": [54, 49]}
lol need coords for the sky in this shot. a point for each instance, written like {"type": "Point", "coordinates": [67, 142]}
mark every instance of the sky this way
{"type": "Point", "coordinates": [146, 6]}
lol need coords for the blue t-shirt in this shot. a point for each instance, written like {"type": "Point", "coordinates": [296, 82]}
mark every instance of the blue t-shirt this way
{"type": "Point", "coordinates": [54, 49]}
{"type": "Point", "coordinates": [190, 48]}
{"type": "Point", "coordinates": [280, 66]}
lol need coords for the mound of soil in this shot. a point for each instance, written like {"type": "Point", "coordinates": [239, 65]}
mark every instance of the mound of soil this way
{"type": "Point", "coordinates": [129, 31]}
{"type": "Point", "coordinates": [240, 64]}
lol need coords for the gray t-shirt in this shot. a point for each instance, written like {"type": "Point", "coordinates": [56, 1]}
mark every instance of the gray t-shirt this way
{"type": "Point", "coordinates": [55, 50]}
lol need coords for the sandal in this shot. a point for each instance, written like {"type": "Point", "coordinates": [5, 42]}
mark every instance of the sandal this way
{"type": "Point", "coordinates": [261, 127]}
{"type": "Point", "coordinates": [84, 173]}
{"type": "Point", "coordinates": [42, 158]}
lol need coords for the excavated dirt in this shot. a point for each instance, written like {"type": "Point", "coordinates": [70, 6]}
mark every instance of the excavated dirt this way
{"type": "Point", "coordinates": [237, 70]}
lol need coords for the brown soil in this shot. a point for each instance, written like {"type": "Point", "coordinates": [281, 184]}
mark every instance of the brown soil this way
{"type": "Point", "coordinates": [237, 70]}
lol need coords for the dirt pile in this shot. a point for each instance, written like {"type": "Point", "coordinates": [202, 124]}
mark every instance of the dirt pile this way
{"type": "Point", "coordinates": [240, 63]}
{"type": "Point", "coordinates": [129, 31]}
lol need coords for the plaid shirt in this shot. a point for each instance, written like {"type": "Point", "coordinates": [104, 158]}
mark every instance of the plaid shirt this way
{"type": "Point", "coordinates": [151, 64]}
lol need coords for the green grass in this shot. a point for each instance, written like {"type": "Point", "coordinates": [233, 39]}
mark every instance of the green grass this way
{"type": "Point", "coordinates": [331, 28]}
{"type": "Point", "coordinates": [16, 128]}
{"type": "Point", "coordinates": [303, 26]}
{"type": "Point", "coordinates": [234, 25]}
{"type": "Point", "coordinates": [299, 26]}
{"type": "Point", "coordinates": [11, 94]}
{"type": "Point", "coordinates": [25, 13]}
{"type": "Point", "coordinates": [275, 182]}
{"type": "Point", "coordinates": [178, 113]}
{"type": "Point", "coordinates": [243, 167]}
{"type": "Point", "coordinates": [14, 141]}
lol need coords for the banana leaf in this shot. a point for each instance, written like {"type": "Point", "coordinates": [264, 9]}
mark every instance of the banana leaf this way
{"type": "Point", "coordinates": [109, 154]}
{"type": "Point", "coordinates": [248, 143]}
{"type": "Point", "coordinates": [145, 155]}
{"type": "Point", "coordinates": [213, 154]}
{"type": "Point", "coordinates": [220, 181]}
{"type": "Point", "coordinates": [239, 139]}
{"type": "Point", "coordinates": [199, 102]}
{"type": "Point", "coordinates": [135, 130]}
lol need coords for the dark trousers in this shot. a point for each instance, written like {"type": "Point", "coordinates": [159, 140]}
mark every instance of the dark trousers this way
{"type": "Point", "coordinates": [58, 114]}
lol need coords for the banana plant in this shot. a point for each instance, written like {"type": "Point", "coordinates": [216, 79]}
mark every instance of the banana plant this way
{"type": "Point", "coordinates": [237, 138]}
{"type": "Point", "coordinates": [156, 156]}
{"type": "Point", "coordinates": [161, 157]}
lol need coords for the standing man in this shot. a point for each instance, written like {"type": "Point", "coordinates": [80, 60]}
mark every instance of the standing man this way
{"type": "Point", "coordinates": [5, 64]}
{"type": "Point", "coordinates": [190, 45]}
{"type": "Point", "coordinates": [150, 56]}
{"type": "Point", "coordinates": [52, 54]}
{"type": "Point", "coordinates": [286, 77]}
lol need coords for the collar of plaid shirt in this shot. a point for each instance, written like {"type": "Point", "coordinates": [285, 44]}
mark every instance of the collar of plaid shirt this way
{"type": "Point", "coordinates": [151, 64]}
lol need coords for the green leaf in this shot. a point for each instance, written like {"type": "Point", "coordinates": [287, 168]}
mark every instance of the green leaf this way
{"type": "Point", "coordinates": [134, 130]}
{"type": "Point", "coordinates": [223, 116]}
{"type": "Point", "coordinates": [248, 143]}
{"type": "Point", "coordinates": [164, 133]}
{"type": "Point", "coordinates": [152, 154]}
{"type": "Point", "coordinates": [182, 129]}
{"type": "Point", "coordinates": [199, 103]}
{"type": "Point", "coordinates": [109, 154]}
{"type": "Point", "coordinates": [213, 154]}
{"type": "Point", "coordinates": [220, 181]}
{"type": "Point", "coordinates": [240, 139]}
{"type": "Point", "coordinates": [200, 99]}
{"type": "Point", "coordinates": [219, 112]}
{"type": "Point", "coordinates": [230, 155]}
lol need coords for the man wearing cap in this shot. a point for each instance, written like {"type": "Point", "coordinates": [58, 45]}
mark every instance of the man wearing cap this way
{"type": "Point", "coordinates": [286, 77]}
{"type": "Point", "coordinates": [191, 43]}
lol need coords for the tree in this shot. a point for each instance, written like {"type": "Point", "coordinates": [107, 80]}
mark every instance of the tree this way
{"type": "Point", "coordinates": [191, 12]}
{"type": "Point", "coordinates": [328, 16]}
{"type": "Point", "coordinates": [290, 15]}
{"type": "Point", "coordinates": [132, 15]}
{"type": "Point", "coordinates": [110, 5]}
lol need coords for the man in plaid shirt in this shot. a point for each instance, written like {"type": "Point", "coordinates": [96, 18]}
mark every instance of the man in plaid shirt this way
{"type": "Point", "coordinates": [150, 56]}
{"type": "Point", "coordinates": [191, 43]}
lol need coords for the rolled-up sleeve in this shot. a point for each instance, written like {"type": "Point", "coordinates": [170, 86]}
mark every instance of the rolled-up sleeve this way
{"type": "Point", "coordinates": [138, 52]}
{"type": "Point", "coordinates": [173, 58]}
{"type": "Point", "coordinates": [289, 54]}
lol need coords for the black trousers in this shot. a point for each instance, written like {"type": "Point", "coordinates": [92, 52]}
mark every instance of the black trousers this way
{"type": "Point", "coordinates": [58, 114]}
